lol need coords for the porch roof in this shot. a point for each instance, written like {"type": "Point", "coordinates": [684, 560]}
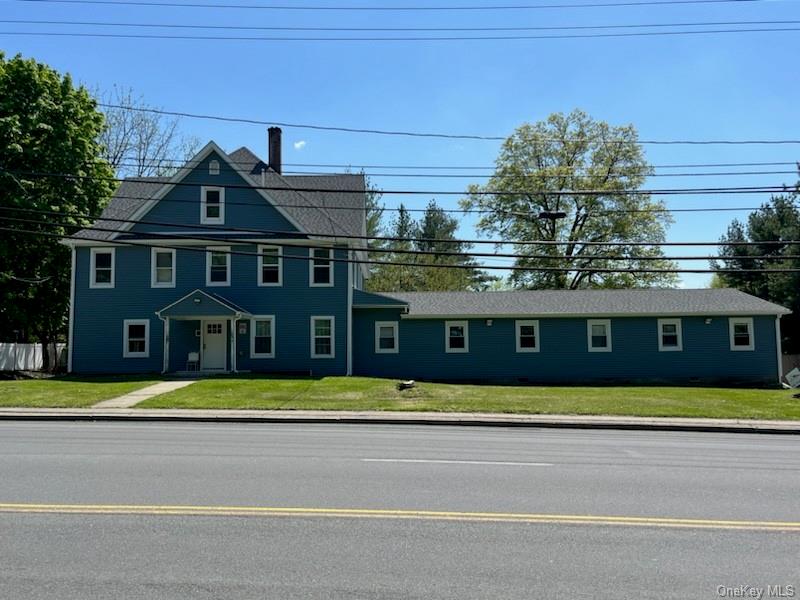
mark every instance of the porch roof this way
{"type": "Point", "coordinates": [202, 304]}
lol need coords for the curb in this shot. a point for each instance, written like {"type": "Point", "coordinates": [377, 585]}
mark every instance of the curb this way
{"type": "Point", "coordinates": [403, 418]}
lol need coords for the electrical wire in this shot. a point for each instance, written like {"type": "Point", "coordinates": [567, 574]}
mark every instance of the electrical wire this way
{"type": "Point", "coordinates": [587, 268]}
{"type": "Point", "coordinates": [426, 134]}
{"type": "Point", "coordinates": [294, 234]}
{"type": "Point", "coordinates": [384, 8]}
{"type": "Point", "coordinates": [781, 188]}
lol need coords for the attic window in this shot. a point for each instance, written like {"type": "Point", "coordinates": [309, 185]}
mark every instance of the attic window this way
{"type": "Point", "coordinates": [212, 205]}
{"type": "Point", "coordinates": [213, 167]}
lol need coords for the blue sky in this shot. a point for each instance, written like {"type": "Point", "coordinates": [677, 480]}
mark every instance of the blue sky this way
{"type": "Point", "coordinates": [729, 86]}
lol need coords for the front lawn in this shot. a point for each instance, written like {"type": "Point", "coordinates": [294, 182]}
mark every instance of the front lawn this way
{"type": "Point", "coordinates": [362, 393]}
{"type": "Point", "coordinates": [68, 391]}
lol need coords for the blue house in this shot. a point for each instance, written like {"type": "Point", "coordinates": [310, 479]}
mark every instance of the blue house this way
{"type": "Point", "coordinates": [231, 266]}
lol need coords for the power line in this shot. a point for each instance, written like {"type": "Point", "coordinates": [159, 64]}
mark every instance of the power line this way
{"type": "Point", "coordinates": [544, 174]}
{"type": "Point", "coordinates": [289, 234]}
{"type": "Point", "coordinates": [587, 269]}
{"type": "Point", "coordinates": [430, 135]}
{"type": "Point", "coordinates": [781, 188]}
{"type": "Point", "coordinates": [478, 211]}
{"type": "Point", "coordinates": [379, 8]}
{"type": "Point", "coordinates": [393, 29]}
{"type": "Point", "coordinates": [417, 252]}
{"type": "Point", "coordinates": [189, 162]}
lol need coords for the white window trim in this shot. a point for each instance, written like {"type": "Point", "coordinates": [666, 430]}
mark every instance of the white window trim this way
{"type": "Point", "coordinates": [395, 325]}
{"type": "Point", "coordinates": [253, 353]}
{"type": "Point", "coordinates": [227, 250]}
{"type": "Point", "coordinates": [311, 267]}
{"type": "Point", "coordinates": [205, 220]}
{"type": "Point", "coordinates": [447, 348]}
{"type": "Point", "coordinates": [518, 328]}
{"type": "Point", "coordinates": [154, 283]}
{"type": "Point", "coordinates": [92, 263]}
{"type": "Point", "coordinates": [261, 248]}
{"type": "Point", "coordinates": [125, 338]}
{"type": "Point", "coordinates": [749, 322]}
{"type": "Point", "coordinates": [332, 319]}
{"type": "Point", "coordinates": [213, 167]}
{"type": "Point", "coordinates": [589, 323]}
{"type": "Point", "coordinates": [678, 330]}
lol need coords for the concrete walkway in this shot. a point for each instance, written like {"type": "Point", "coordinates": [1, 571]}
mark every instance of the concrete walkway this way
{"type": "Point", "coordinates": [132, 399]}
{"type": "Point", "coordinates": [97, 413]}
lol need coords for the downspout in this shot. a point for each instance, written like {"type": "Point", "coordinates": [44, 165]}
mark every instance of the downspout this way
{"type": "Point", "coordinates": [778, 348]}
{"type": "Point", "coordinates": [349, 313]}
{"type": "Point", "coordinates": [165, 365]}
{"type": "Point", "coordinates": [71, 334]}
{"type": "Point", "coordinates": [235, 318]}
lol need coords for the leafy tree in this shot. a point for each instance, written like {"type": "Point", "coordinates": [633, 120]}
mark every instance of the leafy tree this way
{"type": "Point", "coordinates": [138, 143]}
{"type": "Point", "coordinates": [538, 168]}
{"type": "Point", "coordinates": [779, 219]}
{"type": "Point", "coordinates": [47, 125]}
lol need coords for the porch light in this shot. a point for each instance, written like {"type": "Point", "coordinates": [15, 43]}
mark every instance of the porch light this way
{"type": "Point", "coordinates": [488, 322]}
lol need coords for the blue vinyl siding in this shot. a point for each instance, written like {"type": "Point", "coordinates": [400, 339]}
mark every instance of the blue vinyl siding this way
{"type": "Point", "coordinates": [564, 355]}
{"type": "Point", "coordinates": [99, 313]}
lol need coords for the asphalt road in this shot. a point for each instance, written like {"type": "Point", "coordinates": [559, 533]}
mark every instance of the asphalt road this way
{"type": "Point", "coordinates": [454, 475]}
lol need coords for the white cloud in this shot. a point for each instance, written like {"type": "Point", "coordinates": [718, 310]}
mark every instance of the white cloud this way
{"type": "Point", "coordinates": [300, 145]}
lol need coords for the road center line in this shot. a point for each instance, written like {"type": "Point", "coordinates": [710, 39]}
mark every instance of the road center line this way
{"type": "Point", "coordinates": [365, 513]}
{"type": "Point", "coordinates": [458, 462]}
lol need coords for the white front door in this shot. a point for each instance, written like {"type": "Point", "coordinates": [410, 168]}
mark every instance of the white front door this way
{"type": "Point", "coordinates": [214, 346]}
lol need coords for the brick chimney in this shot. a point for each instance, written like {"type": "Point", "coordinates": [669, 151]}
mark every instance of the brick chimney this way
{"type": "Point", "coordinates": [274, 149]}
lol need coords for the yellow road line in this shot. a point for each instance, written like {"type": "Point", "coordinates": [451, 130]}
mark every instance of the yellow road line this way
{"type": "Point", "coordinates": [266, 511]}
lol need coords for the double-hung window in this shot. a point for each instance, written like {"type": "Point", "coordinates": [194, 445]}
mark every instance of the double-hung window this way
{"type": "Point", "coordinates": [136, 338]}
{"type": "Point", "coordinates": [102, 268]}
{"type": "Point", "coordinates": [598, 332]}
{"type": "Point", "coordinates": [322, 337]}
{"type": "Point", "coordinates": [218, 266]}
{"type": "Point", "coordinates": [527, 336]}
{"type": "Point", "coordinates": [456, 336]}
{"type": "Point", "coordinates": [162, 268]}
{"type": "Point", "coordinates": [321, 267]}
{"type": "Point", "coordinates": [262, 337]}
{"type": "Point", "coordinates": [670, 337]}
{"type": "Point", "coordinates": [386, 337]}
{"type": "Point", "coordinates": [212, 205]}
{"type": "Point", "coordinates": [741, 333]}
{"type": "Point", "coordinates": [270, 266]}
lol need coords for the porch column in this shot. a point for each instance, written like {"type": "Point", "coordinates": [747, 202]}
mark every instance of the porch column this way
{"type": "Point", "coordinates": [232, 322]}
{"type": "Point", "coordinates": [166, 345]}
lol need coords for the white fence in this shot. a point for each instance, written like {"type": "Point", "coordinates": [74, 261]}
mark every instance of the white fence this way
{"type": "Point", "coordinates": [27, 357]}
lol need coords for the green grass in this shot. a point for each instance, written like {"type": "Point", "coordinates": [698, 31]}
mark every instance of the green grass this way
{"type": "Point", "coordinates": [361, 393]}
{"type": "Point", "coordinates": [68, 392]}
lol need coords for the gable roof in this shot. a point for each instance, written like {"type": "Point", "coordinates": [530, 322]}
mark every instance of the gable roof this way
{"type": "Point", "coordinates": [203, 303]}
{"type": "Point", "coordinates": [309, 211]}
{"type": "Point", "coordinates": [555, 303]}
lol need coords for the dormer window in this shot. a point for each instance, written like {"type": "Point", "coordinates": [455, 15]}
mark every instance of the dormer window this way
{"type": "Point", "coordinates": [212, 205]}
{"type": "Point", "coordinates": [213, 167]}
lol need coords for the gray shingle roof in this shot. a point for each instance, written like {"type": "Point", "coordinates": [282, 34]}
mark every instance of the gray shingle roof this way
{"type": "Point", "coordinates": [310, 210]}
{"type": "Point", "coordinates": [660, 302]}
{"type": "Point", "coordinates": [130, 195]}
{"type": "Point", "coordinates": [369, 299]}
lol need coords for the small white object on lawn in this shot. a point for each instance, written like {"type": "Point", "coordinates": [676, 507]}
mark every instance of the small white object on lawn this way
{"type": "Point", "coordinates": [793, 377]}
